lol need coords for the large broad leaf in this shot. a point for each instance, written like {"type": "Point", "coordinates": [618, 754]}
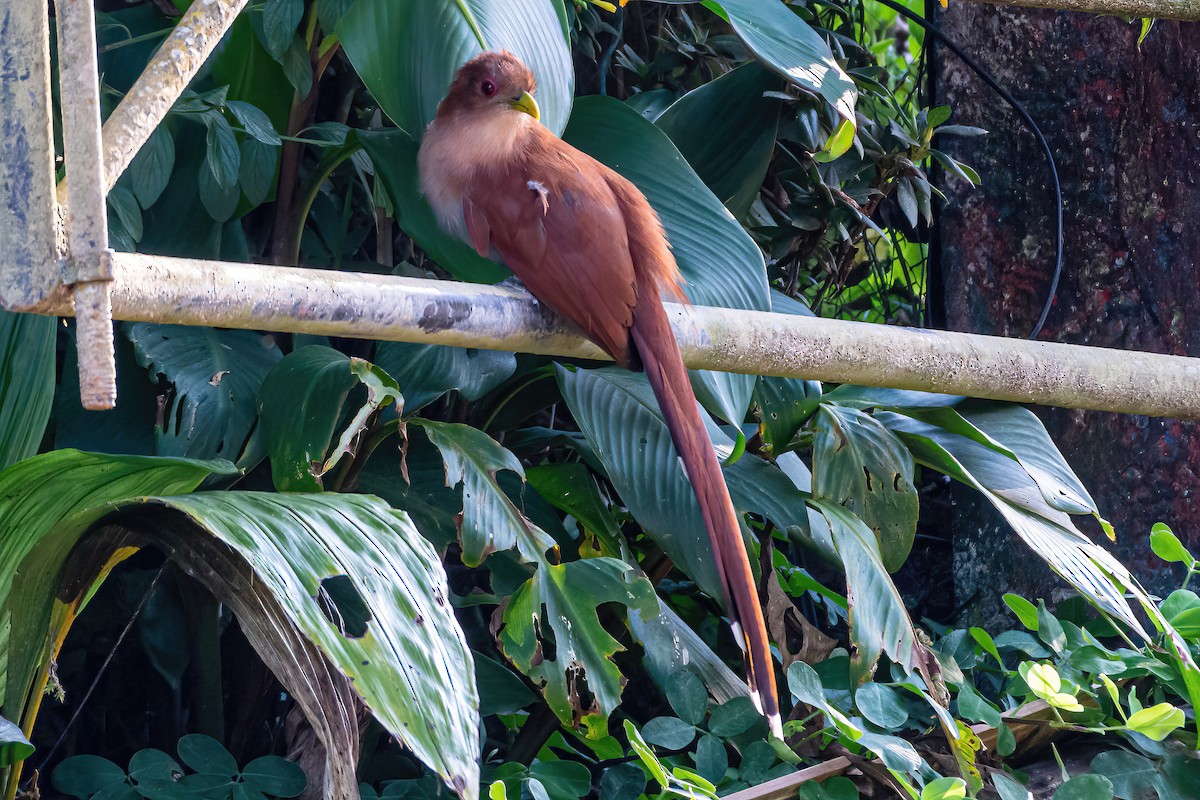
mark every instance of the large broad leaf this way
{"type": "Point", "coordinates": [343, 572]}
{"type": "Point", "coordinates": [215, 375]}
{"type": "Point", "coordinates": [879, 622]}
{"type": "Point", "coordinates": [617, 412]}
{"type": "Point", "coordinates": [721, 264]}
{"type": "Point", "coordinates": [27, 390]}
{"type": "Point", "coordinates": [407, 52]}
{"type": "Point", "coordinates": [301, 402]}
{"type": "Point", "coordinates": [726, 131]}
{"type": "Point", "coordinates": [357, 580]}
{"type": "Point", "coordinates": [786, 44]}
{"type": "Point", "coordinates": [490, 521]}
{"type": "Point", "coordinates": [860, 465]}
{"type": "Point", "coordinates": [562, 600]}
{"type": "Point", "coordinates": [1050, 532]}
{"type": "Point", "coordinates": [427, 371]}
{"type": "Point", "coordinates": [394, 154]}
{"type": "Point", "coordinates": [46, 503]}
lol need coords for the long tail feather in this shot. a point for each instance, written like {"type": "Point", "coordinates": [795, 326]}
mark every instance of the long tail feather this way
{"type": "Point", "coordinates": [659, 353]}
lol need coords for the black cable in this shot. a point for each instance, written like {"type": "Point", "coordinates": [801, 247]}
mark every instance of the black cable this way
{"type": "Point", "coordinates": [1029, 123]}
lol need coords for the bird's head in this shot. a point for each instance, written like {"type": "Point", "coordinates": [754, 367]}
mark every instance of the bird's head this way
{"type": "Point", "coordinates": [496, 82]}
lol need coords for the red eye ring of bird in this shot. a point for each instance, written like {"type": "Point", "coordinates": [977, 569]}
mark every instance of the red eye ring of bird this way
{"type": "Point", "coordinates": [488, 88]}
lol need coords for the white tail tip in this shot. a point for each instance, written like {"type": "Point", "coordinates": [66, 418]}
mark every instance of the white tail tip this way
{"type": "Point", "coordinates": [776, 726]}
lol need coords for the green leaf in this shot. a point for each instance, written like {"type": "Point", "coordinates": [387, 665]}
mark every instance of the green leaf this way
{"type": "Point", "coordinates": [207, 756]}
{"type": "Point", "coordinates": [622, 782]}
{"type": "Point", "coordinates": [838, 143]}
{"type": "Point", "coordinates": [711, 758]}
{"type": "Point", "coordinates": [719, 261]}
{"type": "Point", "coordinates": [14, 747]}
{"type": "Point", "coordinates": [150, 170]}
{"type": "Point", "coordinates": [973, 707]}
{"type": "Point", "coordinates": [837, 788]}
{"type": "Point", "coordinates": [425, 371]}
{"type": "Point", "coordinates": [1026, 611]}
{"type": "Point", "coordinates": [490, 520]}
{"type": "Point", "coordinates": [896, 753]}
{"type": "Point", "coordinates": [786, 44]}
{"type": "Point", "coordinates": [1047, 530]}
{"type": "Point", "coordinates": [412, 668]}
{"type": "Point", "coordinates": [860, 465]}
{"type": "Point", "coordinates": [46, 504]}
{"type": "Point", "coordinates": [85, 775]}
{"type": "Point", "coordinates": [1130, 774]}
{"type": "Point", "coordinates": [643, 751]}
{"type": "Point", "coordinates": [154, 765]}
{"type": "Point", "coordinates": [122, 202]}
{"type": "Point", "coordinates": [733, 717]}
{"type": "Point", "coordinates": [500, 690]}
{"type": "Point", "coordinates": [1050, 630]}
{"type": "Point", "coordinates": [297, 67]}
{"type": "Point", "coordinates": [223, 157]}
{"type": "Point", "coordinates": [562, 779]}
{"type": "Point", "coordinates": [1166, 545]}
{"type": "Point", "coordinates": [1085, 787]}
{"type": "Point", "coordinates": [407, 53]}
{"type": "Point", "coordinates": [570, 487]}
{"type": "Point", "coordinates": [1009, 789]}
{"type": "Point", "coordinates": [687, 696]}
{"type": "Point", "coordinates": [215, 376]}
{"type": "Point", "coordinates": [301, 406]}
{"type": "Point", "coordinates": [879, 621]}
{"type": "Point", "coordinates": [881, 704]}
{"type": "Point", "coordinates": [726, 130]}
{"type": "Point", "coordinates": [670, 733]}
{"type": "Point", "coordinates": [256, 174]}
{"type": "Point", "coordinates": [280, 18]}
{"type": "Point", "coordinates": [944, 789]}
{"type": "Point", "coordinates": [1156, 722]}
{"type": "Point", "coordinates": [27, 360]}
{"type": "Point", "coordinates": [220, 201]}
{"type": "Point", "coordinates": [566, 596]}
{"type": "Point", "coordinates": [275, 776]}
{"type": "Point", "coordinates": [255, 121]}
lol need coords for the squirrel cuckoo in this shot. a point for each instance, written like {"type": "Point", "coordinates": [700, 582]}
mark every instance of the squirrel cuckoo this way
{"type": "Point", "coordinates": [586, 242]}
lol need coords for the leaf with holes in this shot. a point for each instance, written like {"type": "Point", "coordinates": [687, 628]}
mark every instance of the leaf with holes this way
{"type": "Point", "coordinates": [552, 633]}
{"type": "Point", "coordinates": [861, 465]}
{"type": "Point", "coordinates": [490, 521]}
{"type": "Point", "coordinates": [46, 504]}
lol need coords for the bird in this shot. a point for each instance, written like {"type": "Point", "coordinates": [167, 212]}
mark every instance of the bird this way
{"type": "Point", "coordinates": [586, 242]}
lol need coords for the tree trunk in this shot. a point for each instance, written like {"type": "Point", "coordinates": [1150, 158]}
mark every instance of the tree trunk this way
{"type": "Point", "coordinates": [1124, 125]}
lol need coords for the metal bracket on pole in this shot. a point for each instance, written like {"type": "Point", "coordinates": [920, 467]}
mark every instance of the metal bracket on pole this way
{"type": "Point", "coordinates": [87, 214]}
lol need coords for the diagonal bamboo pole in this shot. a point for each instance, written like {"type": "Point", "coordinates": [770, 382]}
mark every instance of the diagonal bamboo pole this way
{"type": "Point", "coordinates": [169, 72]}
{"type": "Point", "coordinates": [161, 289]}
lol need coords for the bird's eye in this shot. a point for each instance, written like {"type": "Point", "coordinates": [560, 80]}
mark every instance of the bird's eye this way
{"type": "Point", "coordinates": [488, 88]}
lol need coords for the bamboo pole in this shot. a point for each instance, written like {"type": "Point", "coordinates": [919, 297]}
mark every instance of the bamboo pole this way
{"type": "Point", "coordinates": [169, 72]}
{"type": "Point", "coordinates": [1183, 10]}
{"type": "Point", "coordinates": [161, 289]}
{"type": "Point", "coordinates": [87, 214]}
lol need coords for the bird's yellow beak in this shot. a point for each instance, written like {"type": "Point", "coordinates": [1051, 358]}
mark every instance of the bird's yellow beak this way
{"type": "Point", "coordinates": [527, 104]}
